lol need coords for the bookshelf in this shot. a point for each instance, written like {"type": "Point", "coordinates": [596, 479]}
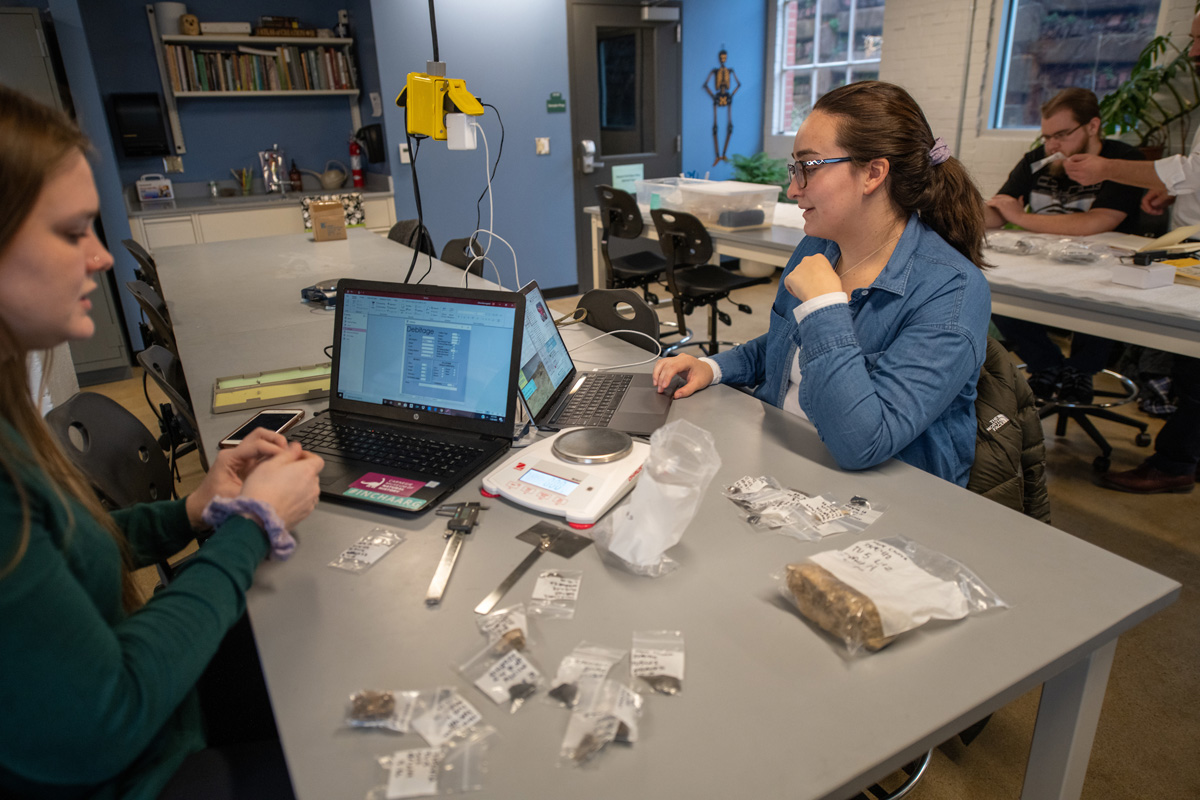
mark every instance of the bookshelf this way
{"type": "Point", "coordinates": [233, 66]}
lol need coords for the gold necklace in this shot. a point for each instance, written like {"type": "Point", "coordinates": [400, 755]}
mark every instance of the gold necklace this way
{"type": "Point", "coordinates": [863, 261]}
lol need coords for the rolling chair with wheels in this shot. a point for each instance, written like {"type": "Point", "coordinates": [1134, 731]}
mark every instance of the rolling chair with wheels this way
{"type": "Point", "coordinates": [620, 310]}
{"type": "Point", "coordinates": [1080, 413]}
{"type": "Point", "coordinates": [176, 417]}
{"type": "Point", "coordinates": [686, 243]}
{"type": "Point", "coordinates": [620, 217]}
{"type": "Point", "coordinates": [461, 252]}
{"type": "Point", "coordinates": [410, 234]}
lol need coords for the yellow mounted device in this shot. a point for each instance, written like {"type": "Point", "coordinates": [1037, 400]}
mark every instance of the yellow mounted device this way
{"type": "Point", "coordinates": [429, 98]}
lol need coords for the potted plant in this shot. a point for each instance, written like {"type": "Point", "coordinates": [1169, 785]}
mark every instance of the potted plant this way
{"type": "Point", "coordinates": [760, 168]}
{"type": "Point", "coordinates": [1158, 98]}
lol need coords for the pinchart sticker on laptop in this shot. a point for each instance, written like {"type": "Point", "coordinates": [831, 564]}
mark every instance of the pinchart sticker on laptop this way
{"type": "Point", "coordinates": [387, 490]}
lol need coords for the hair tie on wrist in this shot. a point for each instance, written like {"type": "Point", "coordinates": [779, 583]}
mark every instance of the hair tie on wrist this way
{"type": "Point", "coordinates": [222, 508]}
{"type": "Point", "coordinates": [939, 152]}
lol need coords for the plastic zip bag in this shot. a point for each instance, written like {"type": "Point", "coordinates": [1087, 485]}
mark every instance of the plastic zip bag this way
{"type": "Point", "coordinates": [608, 712]}
{"type": "Point", "coordinates": [508, 677]}
{"type": "Point", "coordinates": [656, 661]}
{"type": "Point", "coordinates": [456, 768]}
{"type": "Point", "coordinates": [362, 555]}
{"type": "Point", "coordinates": [443, 715]}
{"type": "Point", "coordinates": [555, 593]}
{"type": "Point", "coordinates": [507, 628]}
{"type": "Point", "coordinates": [874, 590]}
{"type": "Point", "coordinates": [381, 709]}
{"type": "Point", "coordinates": [586, 662]}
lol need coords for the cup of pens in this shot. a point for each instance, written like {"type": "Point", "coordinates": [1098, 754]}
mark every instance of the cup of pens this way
{"type": "Point", "coordinates": [243, 178]}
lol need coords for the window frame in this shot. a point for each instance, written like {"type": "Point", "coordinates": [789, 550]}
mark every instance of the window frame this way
{"type": "Point", "coordinates": [779, 145]}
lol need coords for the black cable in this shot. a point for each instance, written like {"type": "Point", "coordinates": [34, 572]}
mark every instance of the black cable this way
{"type": "Point", "coordinates": [433, 30]}
{"type": "Point", "coordinates": [417, 196]}
{"type": "Point", "coordinates": [483, 194]}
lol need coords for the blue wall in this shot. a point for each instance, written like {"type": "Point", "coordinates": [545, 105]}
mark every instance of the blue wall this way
{"type": "Point", "coordinates": [741, 28]}
{"type": "Point", "coordinates": [512, 55]}
{"type": "Point", "coordinates": [224, 133]}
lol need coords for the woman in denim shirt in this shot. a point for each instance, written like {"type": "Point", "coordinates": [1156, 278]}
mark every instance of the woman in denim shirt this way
{"type": "Point", "coordinates": [879, 329]}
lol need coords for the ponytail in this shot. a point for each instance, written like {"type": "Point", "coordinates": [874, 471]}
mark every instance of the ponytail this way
{"type": "Point", "coordinates": [881, 120]}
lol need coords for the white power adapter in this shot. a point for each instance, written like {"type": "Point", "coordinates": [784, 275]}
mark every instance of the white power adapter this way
{"type": "Point", "coordinates": [460, 133]}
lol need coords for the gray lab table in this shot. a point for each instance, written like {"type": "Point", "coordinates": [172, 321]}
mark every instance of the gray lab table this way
{"type": "Point", "coordinates": [769, 707]}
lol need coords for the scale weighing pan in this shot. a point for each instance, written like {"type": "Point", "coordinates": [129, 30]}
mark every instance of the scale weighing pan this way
{"type": "Point", "coordinates": [546, 537]}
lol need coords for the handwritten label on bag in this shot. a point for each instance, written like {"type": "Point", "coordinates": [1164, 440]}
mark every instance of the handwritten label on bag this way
{"type": "Point", "coordinates": [553, 586]}
{"type": "Point", "coordinates": [414, 773]}
{"type": "Point", "coordinates": [650, 662]}
{"type": "Point", "coordinates": [451, 713]}
{"type": "Point", "coordinates": [509, 671]}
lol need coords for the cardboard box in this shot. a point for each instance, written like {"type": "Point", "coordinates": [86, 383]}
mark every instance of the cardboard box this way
{"type": "Point", "coordinates": [328, 220]}
{"type": "Point", "coordinates": [1150, 277]}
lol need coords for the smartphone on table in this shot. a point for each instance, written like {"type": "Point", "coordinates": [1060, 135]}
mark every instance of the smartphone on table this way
{"type": "Point", "coordinates": [275, 419]}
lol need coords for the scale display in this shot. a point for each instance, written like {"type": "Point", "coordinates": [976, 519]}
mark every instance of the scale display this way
{"type": "Point", "coordinates": [536, 478]}
{"type": "Point", "coordinates": [553, 483]}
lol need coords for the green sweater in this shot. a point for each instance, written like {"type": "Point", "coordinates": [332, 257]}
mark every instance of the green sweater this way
{"type": "Point", "coordinates": [96, 703]}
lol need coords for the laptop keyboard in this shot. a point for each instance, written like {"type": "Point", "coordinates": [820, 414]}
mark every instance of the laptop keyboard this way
{"type": "Point", "coordinates": [388, 448]}
{"type": "Point", "coordinates": [594, 402]}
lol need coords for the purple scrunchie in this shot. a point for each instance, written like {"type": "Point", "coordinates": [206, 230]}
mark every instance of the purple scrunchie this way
{"type": "Point", "coordinates": [939, 152]}
{"type": "Point", "coordinates": [222, 508]}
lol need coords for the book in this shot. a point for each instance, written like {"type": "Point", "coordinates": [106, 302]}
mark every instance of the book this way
{"type": "Point", "coordinates": [1172, 242]}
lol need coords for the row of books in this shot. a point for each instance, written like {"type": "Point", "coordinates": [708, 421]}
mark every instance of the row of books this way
{"type": "Point", "coordinates": [253, 69]}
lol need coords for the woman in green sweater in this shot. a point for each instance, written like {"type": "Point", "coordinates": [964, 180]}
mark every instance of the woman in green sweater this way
{"type": "Point", "coordinates": [97, 694]}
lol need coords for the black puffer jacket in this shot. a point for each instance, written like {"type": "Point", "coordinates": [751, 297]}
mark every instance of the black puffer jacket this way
{"type": "Point", "coordinates": [1010, 456]}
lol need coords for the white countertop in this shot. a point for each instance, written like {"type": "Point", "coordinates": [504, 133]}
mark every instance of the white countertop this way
{"type": "Point", "coordinates": [193, 198]}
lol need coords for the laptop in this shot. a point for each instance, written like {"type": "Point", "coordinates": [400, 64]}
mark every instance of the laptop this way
{"type": "Point", "coordinates": [422, 394]}
{"type": "Point", "coordinates": [559, 396]}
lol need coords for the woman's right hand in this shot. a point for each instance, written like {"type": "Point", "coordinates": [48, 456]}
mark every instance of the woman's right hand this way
{"type": "Point", "coordinates": [287, 482]}
{"type": "Point", "coordinates": [689, 373]}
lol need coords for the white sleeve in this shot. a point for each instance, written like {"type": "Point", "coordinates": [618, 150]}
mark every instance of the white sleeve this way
{"type": "Point", "coordinates": [1181, 174]}
{"type": "Point", "coordinates": [716, 368]}
{"type": "Point", "coordinates": [816, 303]}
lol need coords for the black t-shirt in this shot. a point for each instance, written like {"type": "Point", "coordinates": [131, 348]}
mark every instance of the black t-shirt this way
{"type": "Point", "coordinates": [1058, 194]}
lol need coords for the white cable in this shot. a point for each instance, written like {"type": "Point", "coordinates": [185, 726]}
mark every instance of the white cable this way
{"type": "Point", "coordinates": [471, 263]}
{"type": "Point", "coordinates": [657, 344]}
{"type": "Point", "coordinates": [516, 270]}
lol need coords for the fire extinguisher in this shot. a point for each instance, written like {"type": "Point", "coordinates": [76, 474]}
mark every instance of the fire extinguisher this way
{"type": "Point", "coordinates": [356, 167]}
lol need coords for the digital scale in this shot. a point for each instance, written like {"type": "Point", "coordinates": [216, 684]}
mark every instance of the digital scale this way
{"type": "Point", "coordinates": [578, 473]}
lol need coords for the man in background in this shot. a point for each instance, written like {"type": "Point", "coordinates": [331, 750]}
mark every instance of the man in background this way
{"type": "Point", "coordinates": [1061, 205]}
{"type": "Point", "coordinates": [1171, 180]}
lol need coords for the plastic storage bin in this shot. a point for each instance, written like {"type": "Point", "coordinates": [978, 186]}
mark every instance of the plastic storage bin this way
{"type": "Point", "coordinates": [663, 192]}
{"type": "Point", "coordinates": [730, 205]}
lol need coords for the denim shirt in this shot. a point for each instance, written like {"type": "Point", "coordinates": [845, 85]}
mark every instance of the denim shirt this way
{"type": "Point", "coordinates": [891, 373]}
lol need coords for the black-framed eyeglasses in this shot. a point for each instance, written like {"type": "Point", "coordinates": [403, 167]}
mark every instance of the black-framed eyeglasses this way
{"type": "Point", "coordinates": [800, 170]}
{"type": "Point", "coordinates": [1058, 137]}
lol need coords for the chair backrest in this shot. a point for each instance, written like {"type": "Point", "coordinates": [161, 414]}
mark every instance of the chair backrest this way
{"type": "Point", "coordinates": [410, 234]}
{"type": "Point", "coordinates": [113, 449]}
{"type": "Point", "coordinates": [622, 310]}
{"type": "Point", "coordinates": [683, 238]}
{"type": "Point", "coordinates": [619, 212]}
{"type": "Point", "coordinates": [147, 270]}
{"type": "Point", "coordinates": [461, 252]}
{"type": "Point", "coordinates": [164, 368]}
{"type": "Point", "coordinates": [155, 311]}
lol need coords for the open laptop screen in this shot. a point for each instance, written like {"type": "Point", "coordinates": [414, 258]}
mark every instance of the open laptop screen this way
{"type": "Point", "coordinates": [545, 363]}
{"type": "Point", "coordinates": [409, 350]}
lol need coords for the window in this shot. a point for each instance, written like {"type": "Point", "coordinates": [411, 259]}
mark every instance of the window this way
{"type": "Point", "coordinates": [820, 45]}
{"type": "Point", "coordinates": [1045, 48]}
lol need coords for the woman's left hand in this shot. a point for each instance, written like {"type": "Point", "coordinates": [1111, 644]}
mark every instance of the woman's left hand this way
{"type": "Point", "coordinates": [229, 470]}
{"type": "Point", "coordinates": [812, 277]}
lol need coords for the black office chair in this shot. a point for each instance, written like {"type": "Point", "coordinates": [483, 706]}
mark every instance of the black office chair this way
{"type": "Point", "coordinates": [410, 234]}
{"type": "Point", "coordinates": [686, 243]}
{"type": "Point", "coordinates": [113, 449]}
{"type": "Point", "coordinates": [1100, 407]}
{"type": "Point", "coordinates": [176, 417]}
{"type": "Point", "coordinates": [620, 217]}
{"type": "Point", "coordinates": [147, 269]}
{"type": "Point", "coordinates": [913, 773]}
{"type": "Point", "coordinates": [155, 326]}
{"type": "Point", "coordinates": [621, 310]}
{"type": "Point", "coordinates": [461, 252]}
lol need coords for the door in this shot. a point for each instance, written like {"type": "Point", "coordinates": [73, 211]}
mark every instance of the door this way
{"type": "Point", "coordinates": [626, 101]}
